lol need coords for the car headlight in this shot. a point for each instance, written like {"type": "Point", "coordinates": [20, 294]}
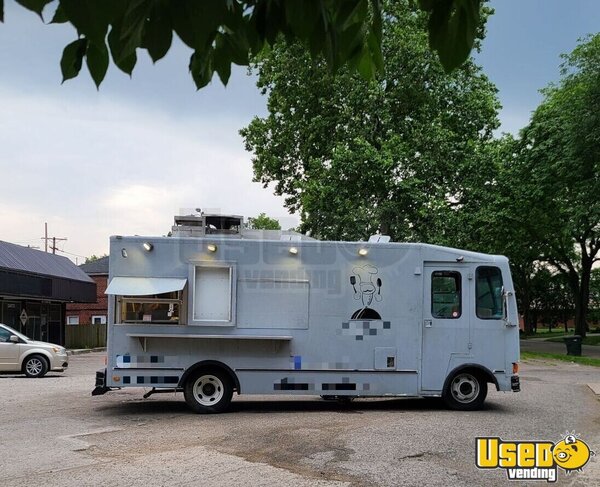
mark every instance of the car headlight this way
{"type": "Point", "coordinates": [60, 351]}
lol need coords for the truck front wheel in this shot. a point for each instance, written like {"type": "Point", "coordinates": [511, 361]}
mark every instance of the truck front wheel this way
{"type": "Point", "coordinates": [466, 391]}
{"type": "Point", "coordinates": [208, 391]}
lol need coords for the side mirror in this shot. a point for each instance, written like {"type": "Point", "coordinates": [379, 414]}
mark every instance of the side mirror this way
{"type": "Point", "coordinates": [14, 339]}
{"type": "Point", "coordinates": [505, 295]}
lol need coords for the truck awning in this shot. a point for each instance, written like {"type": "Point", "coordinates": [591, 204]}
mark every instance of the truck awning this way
{"type": "Point", "coordinates": [144, 286]}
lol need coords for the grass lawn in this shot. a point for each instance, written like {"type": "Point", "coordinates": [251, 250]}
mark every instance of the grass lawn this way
{"type": "Point", "coordinates": [586, 341]}
{"type": "Point", "coordinates": [565, 358]}
{"type": "Point", "coordinates": [543, 333]}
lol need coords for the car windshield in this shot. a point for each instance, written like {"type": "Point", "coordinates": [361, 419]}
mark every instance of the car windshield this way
{"type": "Point", "coordinates": [15, 332]}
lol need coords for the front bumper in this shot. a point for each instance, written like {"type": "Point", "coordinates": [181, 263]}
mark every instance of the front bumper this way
{"type": "Point", "coordinates": [59, 363]}
{"type": "Point", "coordinates": [515, 383]}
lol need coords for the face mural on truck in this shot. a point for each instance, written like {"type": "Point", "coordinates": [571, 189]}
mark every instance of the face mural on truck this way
{"type": "Point", "coordinates": [367, 288]}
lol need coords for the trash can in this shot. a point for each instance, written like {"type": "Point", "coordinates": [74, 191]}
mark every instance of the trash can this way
{"type": "Point", "coordinates": [573, 344]}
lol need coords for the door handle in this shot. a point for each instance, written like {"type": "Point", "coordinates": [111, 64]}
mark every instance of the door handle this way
{"type": "Point", "coordinates": [428, 323]}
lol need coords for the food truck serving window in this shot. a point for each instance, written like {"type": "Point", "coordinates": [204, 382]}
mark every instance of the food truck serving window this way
{"type": "Point", "coordinates": [158, 308]}
{"type": "Point", "coordinates": [149, 299]}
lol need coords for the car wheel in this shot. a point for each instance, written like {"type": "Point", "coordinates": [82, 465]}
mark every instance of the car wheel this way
{"type": "Point", "coordinates": [208, 391]}
{"type": "Point", "coordinates": [35, 366]}
{"type": "Point", "coordinates": [466, 391]}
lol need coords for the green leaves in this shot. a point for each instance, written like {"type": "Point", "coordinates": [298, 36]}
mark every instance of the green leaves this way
{"type": "Point", "coordinates": [60, 17]}
{"type": "Point", "coordinates": [97, 62]}
{"type": "Point", "coordinates": [72, 58]}
{"type": "Point", "coordinates": [124, 60]}
{"type": "Point", "coordinates": [552, 177]}
{"type": "Point", "coordinates": [34, 5]}
{"type": "Point", "coordinates": [90, 17]}
{"type": "Point", "coordinates": [452, 29]}
{"type": "Point", "coordinates": [201, 69]}
{"type": "Point", "coordinates": [263, 222]}
{"type": "Point", "coordinates": [221, 32]}
{"type": "Point", "coordinates": [157, 33]}
{"type": "Point", "coordinates": [353, 154]}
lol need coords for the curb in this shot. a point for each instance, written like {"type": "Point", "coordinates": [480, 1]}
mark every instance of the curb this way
{"type": "Point", "coordinates": [595, 388]}
{"type": "Point", "coordinates": [79, 351]}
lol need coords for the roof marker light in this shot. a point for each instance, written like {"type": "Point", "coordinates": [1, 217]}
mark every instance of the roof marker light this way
{"type": "Point", "coordinates": [148, 246]}
{"type": "Point", "coordinates": [363, 252]}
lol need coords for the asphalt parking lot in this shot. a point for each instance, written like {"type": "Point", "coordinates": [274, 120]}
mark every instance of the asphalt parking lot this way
{"type": "Point", "coordinates": [54, 433]}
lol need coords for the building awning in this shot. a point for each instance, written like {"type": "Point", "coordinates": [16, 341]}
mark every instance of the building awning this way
{"type": "Point", "coordinates": [144, 286]}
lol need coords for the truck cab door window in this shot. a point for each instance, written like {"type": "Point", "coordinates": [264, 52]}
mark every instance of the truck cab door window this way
{"type": "Point", "coordinates": [446, 302]}
{"type": "Point", "coordinates": [488, 290]}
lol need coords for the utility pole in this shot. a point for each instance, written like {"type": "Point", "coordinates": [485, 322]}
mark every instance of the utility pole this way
{"type": "Point", "coordinates": [45, 238]}
{"type": "Point", "coordinates": [54, 239]}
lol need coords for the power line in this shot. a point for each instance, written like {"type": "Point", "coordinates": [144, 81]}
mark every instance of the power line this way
{"type": "Point", "coordinates": [71, 253]}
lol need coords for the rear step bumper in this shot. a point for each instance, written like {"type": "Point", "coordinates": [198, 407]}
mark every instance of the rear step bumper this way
{"type": "Point", "coordinates": [100, 383]}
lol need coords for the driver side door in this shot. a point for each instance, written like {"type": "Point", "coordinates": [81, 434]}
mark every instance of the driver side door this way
{"type": "Point", "coordinates": [9, 351]}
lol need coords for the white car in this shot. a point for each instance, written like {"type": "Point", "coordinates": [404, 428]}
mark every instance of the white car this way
{"type": "Point", "coordinates": [34, 359]}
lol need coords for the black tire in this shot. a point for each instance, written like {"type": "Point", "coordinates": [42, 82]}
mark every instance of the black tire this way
{"type": "Point", "coordinates": [208, 391]}
{"type": "Point", "coordinates": [465, 391]}
{"type": "Point", "coordinates": [340, 399]}
{"type": "Point", "coordinates": [328, 398]}
{"type": "Point", "coordinates": [35, 366]}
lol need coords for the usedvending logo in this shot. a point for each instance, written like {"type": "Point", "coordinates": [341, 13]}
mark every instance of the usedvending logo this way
{"type": "Point", "coordinates": [533, 460]}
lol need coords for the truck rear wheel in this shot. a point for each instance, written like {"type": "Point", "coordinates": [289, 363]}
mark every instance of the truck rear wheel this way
{"type": "Point", "coordinates": [208, 391]}
{"type": "Point", "coordinates": [466, 391]}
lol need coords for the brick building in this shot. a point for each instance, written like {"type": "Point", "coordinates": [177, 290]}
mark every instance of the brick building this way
{"type": "Point", "coordinates": [85, 314]}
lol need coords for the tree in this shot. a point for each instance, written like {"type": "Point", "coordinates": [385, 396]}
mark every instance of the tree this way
{"type": "Point", "coordinates": [354, 156]}
{"type": "Point", "coordinates": [225, 32]}
{"type": "Point", "coordinates": [556, 175]}
{"type": "Point", "coordinates": [263, 222]}
{"type": "Point", "coordinates": [485, 219]}
{"type": "Point", "coordinates": [594, 314]}
{"type": "Point", "coordinates": [94, 258]}
{"type": "Point", "coordinates": [555, 299]}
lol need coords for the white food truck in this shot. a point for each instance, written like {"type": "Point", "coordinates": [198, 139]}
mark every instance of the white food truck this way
{"type": "Point", "coordinates": [215, 309]}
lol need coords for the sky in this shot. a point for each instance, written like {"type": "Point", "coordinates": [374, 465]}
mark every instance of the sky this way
{"type": "Point", "coordinates": [125, 159]}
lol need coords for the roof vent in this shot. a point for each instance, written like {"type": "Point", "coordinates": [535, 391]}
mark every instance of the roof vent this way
{"type": "Point", "coordinates": [379, 239]}
{"type": "Point", "coordinates": [207, 224]}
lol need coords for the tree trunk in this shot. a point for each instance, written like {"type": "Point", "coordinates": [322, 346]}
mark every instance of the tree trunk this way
{"type": "Point", "coordinates": [525, 304]}
{"type": "Point", "coordinates": [582, 301]}
{"type": "Point", "coordinates": [530, 318]}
